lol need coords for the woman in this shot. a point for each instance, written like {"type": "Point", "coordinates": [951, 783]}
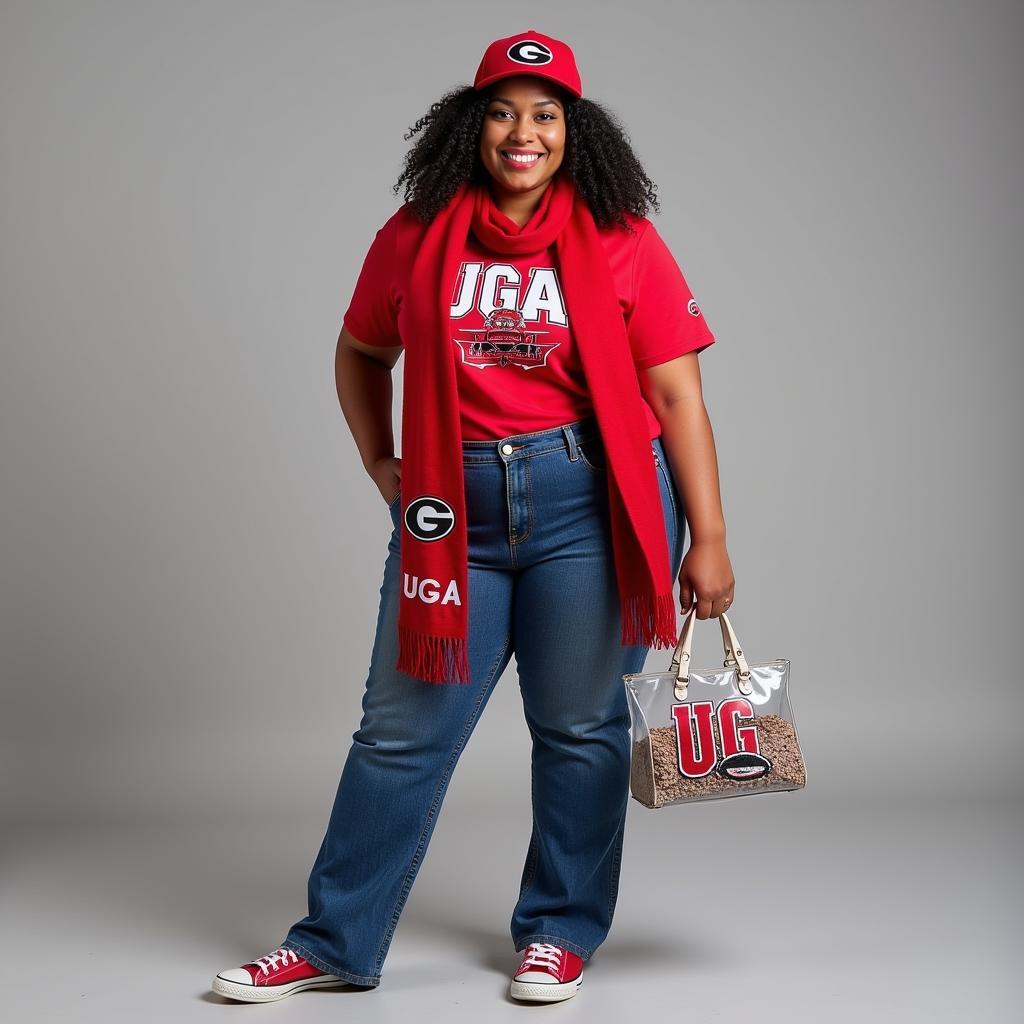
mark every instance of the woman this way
{"type": "Point", "coordinates": [552, 342]}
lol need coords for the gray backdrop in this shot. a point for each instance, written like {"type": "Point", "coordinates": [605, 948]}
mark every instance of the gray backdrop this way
{"type": "Point", "coordinates": [191, 552]}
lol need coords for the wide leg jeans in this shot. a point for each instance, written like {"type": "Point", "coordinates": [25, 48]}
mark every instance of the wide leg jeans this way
{"type": "Point", "coordinates": [542, 586]}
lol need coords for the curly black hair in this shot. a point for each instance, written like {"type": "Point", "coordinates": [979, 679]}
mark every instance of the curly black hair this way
{"type": "Point", "coordinates": [598, 157]}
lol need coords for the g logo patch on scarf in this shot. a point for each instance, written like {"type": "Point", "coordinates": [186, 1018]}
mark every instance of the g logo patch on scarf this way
{"type": "Point", "coordinates": [429, 518]}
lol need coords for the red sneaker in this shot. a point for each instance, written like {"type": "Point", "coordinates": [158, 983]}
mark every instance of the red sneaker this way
{"type": "Point", "coordinates": [274, 976]}
{"type": "Point", "coordinates": [547, 974]}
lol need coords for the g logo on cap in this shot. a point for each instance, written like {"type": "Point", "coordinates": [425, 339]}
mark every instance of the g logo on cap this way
{"type": "Point", "coordinates": [529, 51]}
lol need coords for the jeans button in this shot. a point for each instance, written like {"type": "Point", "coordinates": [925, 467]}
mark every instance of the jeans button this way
{"type": "Point", "coordinates": [507, 449]}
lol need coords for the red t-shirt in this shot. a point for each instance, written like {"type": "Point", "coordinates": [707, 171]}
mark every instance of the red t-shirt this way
{"type": "Point", "coordinates": [518, 369]}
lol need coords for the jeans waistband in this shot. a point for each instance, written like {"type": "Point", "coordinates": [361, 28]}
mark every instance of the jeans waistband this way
{"type": "Point", "coordinates": [522, 446]}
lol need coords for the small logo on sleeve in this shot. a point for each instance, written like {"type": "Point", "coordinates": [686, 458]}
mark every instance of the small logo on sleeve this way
{"type": "Point", "coordinates": [692, 308]}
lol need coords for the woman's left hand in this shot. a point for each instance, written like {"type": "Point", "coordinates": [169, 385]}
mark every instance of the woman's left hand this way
{"type": "Point", "coordinates": [707, 571]}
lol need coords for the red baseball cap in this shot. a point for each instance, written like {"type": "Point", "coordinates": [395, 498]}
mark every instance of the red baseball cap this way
{"type": "Point", "coordinates": [530, 53]}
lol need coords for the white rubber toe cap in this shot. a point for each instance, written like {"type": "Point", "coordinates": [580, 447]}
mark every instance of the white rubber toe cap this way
{"type": "Point", "coordinates": [237, 976]}
{"type": "Point", "coordinates": [536, 977]}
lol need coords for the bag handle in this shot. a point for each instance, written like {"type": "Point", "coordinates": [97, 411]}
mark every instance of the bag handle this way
{"type": "Point", "coordinates": [733, 655]}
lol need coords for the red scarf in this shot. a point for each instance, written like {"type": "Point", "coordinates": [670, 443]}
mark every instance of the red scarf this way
{"type": "Point", "coordinates": [434, 612]}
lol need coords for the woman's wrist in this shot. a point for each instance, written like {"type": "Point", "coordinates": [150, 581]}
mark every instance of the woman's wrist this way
{"type": "Point", "coordinates": [708, 537]}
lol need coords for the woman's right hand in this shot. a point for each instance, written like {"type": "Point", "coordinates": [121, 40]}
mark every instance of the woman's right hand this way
{"type": "Point", "coordinates": [387, 475]}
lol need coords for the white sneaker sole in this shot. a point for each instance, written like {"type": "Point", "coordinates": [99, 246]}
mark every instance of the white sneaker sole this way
{"type": "Point", "coordinates": [270, 993]}
{"type": "Point", "coordinates": [544, 992]}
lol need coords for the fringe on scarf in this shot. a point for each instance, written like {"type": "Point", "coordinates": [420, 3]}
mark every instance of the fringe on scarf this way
{"type": "Point", "coordinates": [434, 659]}
{"type": "Point", "coordinates": [650, 621]}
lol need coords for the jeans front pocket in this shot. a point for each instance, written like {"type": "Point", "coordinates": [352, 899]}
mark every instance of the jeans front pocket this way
{"type": "Point", "coordinates": [592, 455]}
{"type": "Point", "coordinates": [395, 511]}
{"type": "Point", "coordinates": [676, 524]}
{"type": "Point", "coordinates": [665, 476]}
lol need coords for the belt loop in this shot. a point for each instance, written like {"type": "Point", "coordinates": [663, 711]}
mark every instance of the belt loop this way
{"type": "Point", "coordinates": [570, 439]}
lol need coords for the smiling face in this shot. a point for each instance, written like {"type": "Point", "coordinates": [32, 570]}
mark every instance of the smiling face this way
{"type": "Point", "coordinates": [522, 141]}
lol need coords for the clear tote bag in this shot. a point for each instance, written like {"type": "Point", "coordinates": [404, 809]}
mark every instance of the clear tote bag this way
{"type": "Point", "coordinates": [722, 732]}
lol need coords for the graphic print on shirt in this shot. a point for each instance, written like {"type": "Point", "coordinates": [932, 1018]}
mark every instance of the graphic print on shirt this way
{"type": "Point", "coordinates": [501, 315]}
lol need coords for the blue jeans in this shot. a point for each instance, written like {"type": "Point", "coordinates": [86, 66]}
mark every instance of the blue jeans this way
{"type": "Point", "coordinates": [542, 586]}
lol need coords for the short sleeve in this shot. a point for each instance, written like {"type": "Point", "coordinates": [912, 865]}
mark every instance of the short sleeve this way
{"type": "Point", "coordinates": [372, 314]}
{"type": "Point", "coordinates": [665, 320]}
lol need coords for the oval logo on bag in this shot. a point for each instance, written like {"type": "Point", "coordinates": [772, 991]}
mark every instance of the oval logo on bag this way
{"type": "Point", "coordinates": [744, 765]}
{"type": "Point", "coordinates": [429, 518]}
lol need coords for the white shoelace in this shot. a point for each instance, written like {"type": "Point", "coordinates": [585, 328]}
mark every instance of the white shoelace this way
{"type": "Point", "coordinates": [543, 954]}
{"type": "Point", "coordinates": [271, 959]}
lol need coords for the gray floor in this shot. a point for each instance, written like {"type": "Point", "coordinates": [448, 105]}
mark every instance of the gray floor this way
{"type": "Point", "coordinates": [784, 907]}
